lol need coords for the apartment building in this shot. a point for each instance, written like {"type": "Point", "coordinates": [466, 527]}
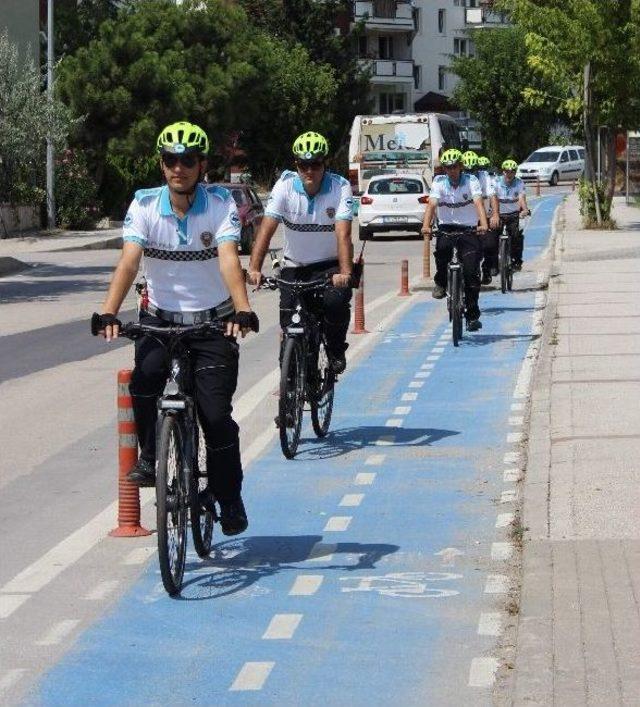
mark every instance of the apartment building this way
{"type": "Point", "coordinates": [20, 19]}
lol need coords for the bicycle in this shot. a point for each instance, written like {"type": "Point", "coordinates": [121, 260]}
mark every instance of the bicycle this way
{"type": "Point", "coordinates": [305, 368]}
{"type": "Point", "coordinates": [456, 305]}
{"type": "Point", "coordinates": [181, 475]}
{"type": "Point", "coordinates": [504, 249]}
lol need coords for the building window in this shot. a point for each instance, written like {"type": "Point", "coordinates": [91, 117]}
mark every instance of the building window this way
{"type": "Point", "coordinates": [417, 77]}
{"type": "Point", "coordinates": [385, 47]}
{"type": "Point", "coordinates": [362, 46]}
{"type": "Point", "coordinates": [417, 19]}
{"type": "Point", "coordinates": [442, 78]}
{"type": "Point", "coordinates": [460, 47]}
{"type": "Point", "coordinates": [442, 21]}
{"type": "Point", "coordinates": [390, 102]}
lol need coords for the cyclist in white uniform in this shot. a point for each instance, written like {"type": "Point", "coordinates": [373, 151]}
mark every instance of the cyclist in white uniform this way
{"type": "Point", "coordinates": [315, 208]}
{"type": "Point", "coordinates": [457, 197]}
{"type": "Point", "coordinates": [508, 202]}
{"type": "Point", "coordinates": [188, 233]}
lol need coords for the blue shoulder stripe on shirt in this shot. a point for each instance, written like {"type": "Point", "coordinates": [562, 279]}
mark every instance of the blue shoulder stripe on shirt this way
{"type": "Point", "coordinates": [222, 193]}
{"type": "Point", "coordinates": [143, 194]}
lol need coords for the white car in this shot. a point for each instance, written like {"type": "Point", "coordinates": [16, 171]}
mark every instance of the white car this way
{"type": "Point", "coordinates": [552, 164]}
{"type": "Point", "coordinates": [393, 202]}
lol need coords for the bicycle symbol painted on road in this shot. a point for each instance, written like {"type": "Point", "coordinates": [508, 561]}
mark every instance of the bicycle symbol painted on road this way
{"type": "Point", "coordinates": [406, 585]}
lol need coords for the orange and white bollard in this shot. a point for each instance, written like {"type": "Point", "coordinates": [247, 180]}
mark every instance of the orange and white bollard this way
{"type": "Point", "coordinates": [358, 315]}
{"type": "Point", "coordinates": [128, 493]}
{"type": "Point", "coordinates": [538, 186]}
{"type": "Point", "coordinates": [573, 185]}
{"type": "Point", "coordinates": [426, 258]}
{"type": "Point", "coordinates": [404, 279]}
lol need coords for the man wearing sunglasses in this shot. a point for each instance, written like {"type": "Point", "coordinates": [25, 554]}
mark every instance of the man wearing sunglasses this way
{"type": "Point", "coordinates": [188, 233]}
{"type": "Point", "coordinates": [316, 209]}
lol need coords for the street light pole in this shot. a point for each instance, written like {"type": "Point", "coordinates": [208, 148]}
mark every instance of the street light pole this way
{"type": "Point", "coordinates": [51, 206]}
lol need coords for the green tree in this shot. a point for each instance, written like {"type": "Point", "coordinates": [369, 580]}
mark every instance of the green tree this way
{"type": "Point", "coordinates": [76, 22]}
{"type": "Point", "coordinates": [202, 61]}
{"type": "Point", "coordinates": [26, 119]}
{"type": "Point", "coordinates": [589, 52]}
{"type": "Point", "coordinates": [491, 88]}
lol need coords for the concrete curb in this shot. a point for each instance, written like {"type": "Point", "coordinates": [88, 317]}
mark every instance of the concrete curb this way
{"type": "Point", "coordinates": [11, 266]}
{"type": "Point", "coordinates": [114, 243]}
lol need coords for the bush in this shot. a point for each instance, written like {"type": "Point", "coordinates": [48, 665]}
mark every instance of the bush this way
{"type": "Point", "coordinates": [77, 205]}
{"type": "Point", "coordinates": [586, 194]}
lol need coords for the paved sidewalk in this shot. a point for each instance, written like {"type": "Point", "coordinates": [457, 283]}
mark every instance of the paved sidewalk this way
{"type": "Point", "coordinates": [578, 639]}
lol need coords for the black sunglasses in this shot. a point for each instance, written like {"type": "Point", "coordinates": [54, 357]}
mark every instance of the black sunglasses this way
{"type": "Point", "coordinates": [170, 160]}
{"type": "Point", "coordinates": [309, 164]}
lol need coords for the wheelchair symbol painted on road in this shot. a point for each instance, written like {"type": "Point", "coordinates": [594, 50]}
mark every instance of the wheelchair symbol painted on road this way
{"type": "Point", "coordinates": [405, 585]}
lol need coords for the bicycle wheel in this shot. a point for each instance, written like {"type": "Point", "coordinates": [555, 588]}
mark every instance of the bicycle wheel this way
{"type": "Point", "coordinates": [322, 393]}
{"type": "Point", "coordinates": [171, 502]}
{"type": "Point", "coordinates": [456, 307]}
{"type": "Point", "coordinates": [291, 403]}
{"type": "Point", "coordinates": [202, 515]}
{"type": "Point", "coordinates": [509, 268]}
{"type": "Point", "coordinates": [505, 265]}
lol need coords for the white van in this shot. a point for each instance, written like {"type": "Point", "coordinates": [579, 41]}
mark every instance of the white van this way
{"type": "Point", "coordinates": [552, 164]}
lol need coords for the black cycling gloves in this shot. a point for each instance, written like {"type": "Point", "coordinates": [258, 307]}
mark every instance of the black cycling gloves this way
{"type": "Point", "coordinates": [100, 321]}
{"type": "Point", "coordinates": [247, 320]}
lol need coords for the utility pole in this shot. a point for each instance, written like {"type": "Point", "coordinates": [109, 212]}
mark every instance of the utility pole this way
{"type": "Point", "coordinates": [51, 206]}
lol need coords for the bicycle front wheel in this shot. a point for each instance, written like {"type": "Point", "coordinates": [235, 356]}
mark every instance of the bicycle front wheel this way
{"type": "Point", "coordinates": [322, 394]}
{"type": "Point", "coordinates": [505, 264]}
{"type": "Point", "coordinates": [291, 403]}
{"type": "Point", "coordinates": [456, 307]}
{"type": "Point", "coordinates": [171, 502]}
{"type": "Point", "coordinates": [201, 507]}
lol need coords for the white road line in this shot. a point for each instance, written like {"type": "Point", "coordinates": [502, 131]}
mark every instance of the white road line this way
{"type": "Point", "coordinates": [322, 552]}
{"type": "Point", "coordinates": [10, 678]}
{"type": "Point", "coordinates": [385, 440]}
{"type": "Point", "coordinates": [501, 551]}
{"type": "Point", "coordinates": [102, 590]}
{"type": "Point", "coordinates": [408, 397]}
{"type": "Point", "coordinates": [282, 626]}
{"type": "Point", "coordinates": [496, 584]}
{"type": "Point", "coordinates": [422, 374]}
{"type": "Point", "coordinates": [364, 478]}
{"type": "Point", "coordinates": [402, 410]}
{"type": "Point", "coordinates": [351, 499]}
{"type": "Point", "coordinates": [516, 421]}
{"type": "Point", "coordinates": [10, 602]}
{"type": "Point", "coordinates": [427, 366]}
{"type": "Point", "coordinates": [394, 422]}
{"type": "Point", "coordinates": [517, 407]}
{"type": "Point", "coordinates": [490, 624]}
{"type": "Point", "coordinates": [416, 384]}
{"type": "Point", "coordinates": [504, 520]}
{"type": "Point", "coordinates": [138, 556]}
{"type": "Point", "coordinates": [515, 437]}
{"type": "Point", "coordinates": [511, 475]}
{"type": "Point", "coordinates": [255, 449]}
{"type": "Point", "coordinates": [305, 585]}
{"type": "Point", "coordinates": [433, 358]}
{"type": "Point", "coordinates": [337, 524]}
{"type": "Point", "coordinates": [58, 632]}
{"type": "Point", "coordinates": [437, 350]}
{"type": "Point", "coordinates": [252, 676]}
{"type": "Point", "coordinates": [482, 672]}
{"type": "Point", "coordinates": [375, 459]}
{"type": "Point", "coordinates": [511, 458]}
{"type": "Point", "coordinates": [509, 496]}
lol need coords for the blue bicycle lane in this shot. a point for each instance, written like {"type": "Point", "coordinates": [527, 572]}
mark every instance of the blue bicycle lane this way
{"type": "Point", "coordinates": [368, 561]}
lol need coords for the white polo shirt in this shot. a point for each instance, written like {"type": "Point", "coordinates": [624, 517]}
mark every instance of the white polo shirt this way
{"type": "Point", "coordinates": [309, 221]}
{"type": "Point", "coordinates": [455, 203]}
{"type": "Point", "coordinates": [180, 261]}
{"type": "Point", "coordinates": [509, 194]}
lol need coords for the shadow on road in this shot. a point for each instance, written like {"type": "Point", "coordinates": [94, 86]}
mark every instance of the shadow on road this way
{"type": "Point", "coordinates": [50, 283]}
{"type": "Point", "coordinates": [487, 339]}
{"type": "Point", "coordinates": [236, 565]}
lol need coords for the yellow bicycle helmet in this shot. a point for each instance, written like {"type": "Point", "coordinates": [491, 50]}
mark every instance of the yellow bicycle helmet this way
{"type": "Point", "coordinates": [183, 137]}
{"type": "Point", "coordinates": [510, 165]}
{"type": "Point", "coordinates": [451, 157]}
{"type": "Point", "coordinates": [310, 146]}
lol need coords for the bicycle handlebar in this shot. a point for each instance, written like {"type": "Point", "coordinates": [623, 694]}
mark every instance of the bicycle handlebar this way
{"type": "Point", "coordinates": [135, 330]}
{"type": "Point", "coordinates": [274, 283]}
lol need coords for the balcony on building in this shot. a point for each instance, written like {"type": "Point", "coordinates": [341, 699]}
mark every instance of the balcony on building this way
{"type": "Point", "coordinates": [385, 15]}
{"type": "Point", "coordinates": [389, 71]}
{"type": "Point", "coordinates": [483, 14]}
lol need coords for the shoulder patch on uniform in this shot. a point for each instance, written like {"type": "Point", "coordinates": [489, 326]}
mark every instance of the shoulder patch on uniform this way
{"type": "Point", "coordinates": [287, 174]}
{"type": "Point", "coordinates": [439, 177]}
{"type": "Point", "coordinates": [144, 194]}
{"type": "Point", "coordinates": [338, 178]}
{"type": "Point", "coordinates": [222, 193]}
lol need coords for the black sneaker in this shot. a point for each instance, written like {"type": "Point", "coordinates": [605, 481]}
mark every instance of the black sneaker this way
{"type": "Point", "coordinates": [143, 473]}
{"type": "Point", "coordinates": [474, 324]}
{"type": "Point", "coordinates": [516, 265]}
{"type": "Point", "coordinates": [438, 292]}
{"type": "Point", "coordinates": [486, 278]}
{"type": "Point", "coordinates": [233, 517]}
{"type": "Point", "coordinates": [338, 363]}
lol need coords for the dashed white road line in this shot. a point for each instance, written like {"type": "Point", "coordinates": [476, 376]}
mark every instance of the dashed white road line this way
{"type": "Point", "coordinates": [337, 524]}
{"type": "Point", "coordinates": [252, 676]}
{"type": "Point", "coordinates": [375, 459]}
{"type": "Point", "coordinates": [282, 626]}
{"type": "Point", "coordinates": [511, 458]}
{"type": "Point", "coordinates": [437, 350]}
{"type": "Point", "coordinates": [501, 551]}
{"type": "Point", "coordinates": [102, 590]}
{"type": "Point", "coordinates": [58, 632]}
{"type": "Point", "coordinates": [409, 397]}
{"type": "Point", "coordinates": [517, 407]}
{"type": "Point", "coordinates": [511, 475]}
{"type": "Point", "coordinates": [515, 437]}
{"type": "Point", "coordinates": [402, 410]}
{"type": "Point", "coordinates": [496, 584]}
{"type": "Point", "coordinates": [509, 496]}
{"type": "Point", "coordinates": [422, 374]}
{"type": "Point", "coordinates": [322, 552]}
{"type": "Point", "coordinates": [516, 421]}
{"type": "Point", "coordinates": [385, 440]}
{"type": "Point", "coordinates": [504, 520]}
{"type": "Point", "coordinates": [394, 422]}
{"type": "Point", "coordinates": [139, 555]}
{"type": "Point", "coordinates": [10, 602]}
{"type": "Point", "coordinates": [483, 672]}
{"type": "Point", "coordinates": [416, 384]}
{"type": "Point", "coordinates": [10, 678]}
{"type": "Point", "coordinates": [427, 366]}
{"type": "Point", "coordinates": [490, 624]}
{"type": "Point", "coordinates": [351, 499]}
{"type": "Point", "coordinates": [306, 585]}
{"type": "Point", "coordinates": [364, 478]}
{"type": "Point", "coordinates": [433, 358]}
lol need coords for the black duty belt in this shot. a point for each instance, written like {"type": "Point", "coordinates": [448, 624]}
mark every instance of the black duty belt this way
{"type": "Point", "coordinates": [222, 311]}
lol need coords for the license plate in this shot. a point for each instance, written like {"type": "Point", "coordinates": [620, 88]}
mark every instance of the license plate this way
{"type": "Point", "coordinates": [395, 219]}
